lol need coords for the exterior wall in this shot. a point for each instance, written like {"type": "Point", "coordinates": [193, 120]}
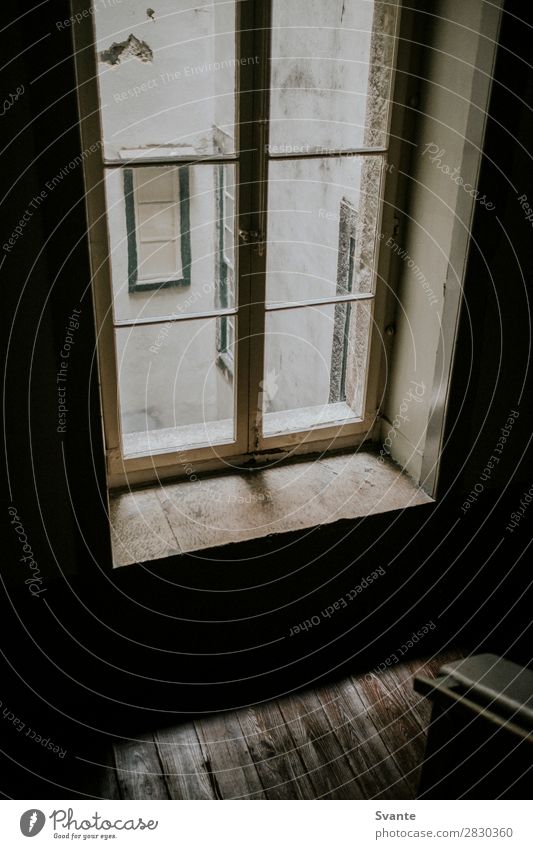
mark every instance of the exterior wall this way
{"type": "Point", "coordinates": [321, 101]}
{"type": "Point", "coordinates": [165, 97]}
{"type": "Point", "coordinates": [305, 201]}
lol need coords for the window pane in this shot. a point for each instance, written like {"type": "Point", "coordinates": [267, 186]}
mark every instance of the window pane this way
{"type": "Point", "coordinates": [315, 366]}
{"type": "Point", "coordinates": [173, 392]}
{"type": "Point", "coordinates": [331, 74]}
{"type": "Point", "coordinates": [322, 223]}
{"type": "Point", "coordinates": [158, 261]}
{"type": "Point", "coordinates": [166, 78]}
{"type": "Point", "coordinates": [157, 221]}
{"type": "Point", "coordinates": [171, 239]}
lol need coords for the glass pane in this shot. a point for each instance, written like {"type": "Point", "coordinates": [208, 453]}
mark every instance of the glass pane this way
{"type": "Point", "coordinates": [174, 389]}
{"type": "Point", "coordinates": [331, 74]}
{"type": "Point", "coordinates": [315, 366]}
{"type": "Point", "coordinates": [157, 221]}
{"type": "Point", "coordinates": [158, 261]}
{"type": "Point", "coordinates": [322, 227]}
{"type": "Point", "coordinates": [171, 239]}
{"type": "Point", "coordinates": [166, 78]}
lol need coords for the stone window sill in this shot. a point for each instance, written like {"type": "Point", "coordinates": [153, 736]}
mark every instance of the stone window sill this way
{"type": "Point", "coordinates": [177, 518]}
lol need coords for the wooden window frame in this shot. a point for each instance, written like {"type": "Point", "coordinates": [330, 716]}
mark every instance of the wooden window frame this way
{"type": "Point", "coordinates": [252, 109]}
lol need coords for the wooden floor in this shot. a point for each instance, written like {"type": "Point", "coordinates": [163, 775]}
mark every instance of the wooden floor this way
{"type": "Point", "coordinates": [359, 738]}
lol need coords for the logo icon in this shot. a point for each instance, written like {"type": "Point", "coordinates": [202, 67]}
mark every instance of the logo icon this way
{"type": "Point", "coordinates": [32, 822]}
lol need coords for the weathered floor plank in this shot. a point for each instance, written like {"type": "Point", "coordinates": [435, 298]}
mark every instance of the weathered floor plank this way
{"type": "Point", "coordinates": [232, 772]}
{"type": "Point", "coordinates": [377, 773]}
{"type": "Point", "coordinates": [326, 764]}
{"type": "Point", "coordinates": [184, 767]}
{"type": "Point", "coordinates": [399, 727]}
{"type": "Point", "coordinates": [139, 770]}
{"type": "Point", "coordinates": [108, 784]}
{"type": "Point", "coordinates": [278, 763]}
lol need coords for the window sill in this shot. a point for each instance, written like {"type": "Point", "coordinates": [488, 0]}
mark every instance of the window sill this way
{"type": "Point", "coordinates": [178, 518]}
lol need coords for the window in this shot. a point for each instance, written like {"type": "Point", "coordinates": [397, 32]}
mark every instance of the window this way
{"type": "Point", "coordinates": [157, 219]}
{"type": "Point", "coordinates": [226, 271]}
{"type": "Point", "coordinates": [345, 285]}
{"type": "Point", "coordinates": [244, 161]}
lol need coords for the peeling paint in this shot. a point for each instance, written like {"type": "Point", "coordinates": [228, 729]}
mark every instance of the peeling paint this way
{"type": "Point", "coordinates": [121, 50]}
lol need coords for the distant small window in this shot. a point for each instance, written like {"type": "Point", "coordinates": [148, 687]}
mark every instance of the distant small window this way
{"type": "Point", "coordinates": [157, 219]}
{"type": "Point", "coordinates": [345, 286]}
{"type": "Point", "coordinates": [226, 271]}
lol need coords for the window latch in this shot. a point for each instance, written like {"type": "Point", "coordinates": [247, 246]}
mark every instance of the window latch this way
{"type": "Point", "coordinates": [253, 237]}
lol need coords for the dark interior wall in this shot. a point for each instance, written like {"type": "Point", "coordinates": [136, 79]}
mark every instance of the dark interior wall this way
{"type": "Point", "coordinates": [55, 463]}
{"type": "Point", "coordinates": [200, 633]}
{"type": "Point", "coordinates": [492, 373]}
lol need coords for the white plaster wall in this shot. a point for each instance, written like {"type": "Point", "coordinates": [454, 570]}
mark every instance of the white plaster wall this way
{"type": "Point", "coordinates": [175, 386]}
{"type": "Point", "coordinates": [224, 79]}
{"type": "Point", "coordinates": [320, 72]}
{"type": "Point", "coordinates": [169, 100]}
